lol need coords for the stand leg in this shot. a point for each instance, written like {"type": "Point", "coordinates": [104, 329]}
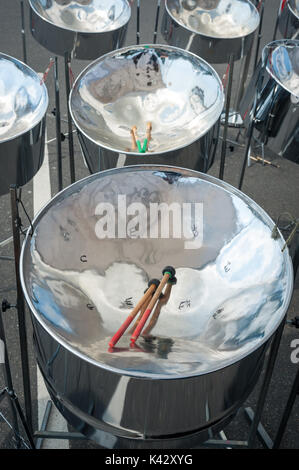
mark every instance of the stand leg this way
{"type": "Point", "coordinates": [138, 23]}
{"type": "Point", "coordinates": [70, 127]}
{"type": "Point", "coordinates": [58, 126]}
{"type": "Point", "coordinates": [287, 412]}
{"type": "Point", "coordinates": [265, 386]}
{"type": "Point", "coordinates": [228, 98]}
{"type": "Point", "coordinates": [157, 21]}
{"type": "Point", "coordinates": [259, 37]}
{"type": "Point", "coordinates": [241, 86]}
{"type": "Point", "coordinates": [23, 33]}
{"type": "Point", "coordinates": [21, 306]}
{"type": "Point", "coordinates": [8, 381]}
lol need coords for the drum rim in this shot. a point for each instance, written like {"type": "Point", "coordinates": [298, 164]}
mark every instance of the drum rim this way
{"type": "Point", "coordinates": [136, 48]}
{"type": "Point", "coordinates": [139, 374]}
{"type": "Point", "coordinates": [215, 37]}
{"type": "Point", "coordinates": [295, 12]}
{"type": "Point", "coordinates": [45, 100]}
{"type": "Point", "coordinates": [79, 31]}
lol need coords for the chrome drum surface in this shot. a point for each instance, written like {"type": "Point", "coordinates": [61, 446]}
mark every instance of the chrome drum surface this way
{"type": "Point", "coordinates": [23, 106]}
{"type": "Point", "coordinates": [84, 28]}
{"type": "Point", "coordinates": [179, 93]}
{"type": "Point", "coordinates": [204, 355]}
{"type": "Point", "coordinates": [213, 29]}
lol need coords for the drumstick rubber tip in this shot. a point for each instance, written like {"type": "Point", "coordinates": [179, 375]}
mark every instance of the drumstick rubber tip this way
{"type": "Point", "coordinates": [172, 281]}
{"type": "Point", "coordinates": [169, 270]}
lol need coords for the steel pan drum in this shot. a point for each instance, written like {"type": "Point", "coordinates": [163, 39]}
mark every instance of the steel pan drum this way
{"type": "Point", "coordinates": [213, 29]}
{"type": "Point", "coordinates": [289, 20]}
{"type": "Point", "coordinates": [205, 354]}
{"type": "Point", "coordinates": [277, 113]}
{"type": "Point", "coordinates": [84, 28]}
{"type": "Point", "coordinates": [23, 106]}
{"type": "Point", "coordinates": [179, 93]}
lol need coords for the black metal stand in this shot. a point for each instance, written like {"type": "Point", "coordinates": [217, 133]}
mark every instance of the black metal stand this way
{"type": "Point", "coordinates": [288, 409]}
{"type": "Point", "coordinates": [58, 125]}
{"type": "Point", "coordinates": [227, 110]}
{"type": "Point", "coordinates": [251, 124]}
{"type": "Point", "coordinates": [4, 360]}
{"type": "Point", "coordinates": [67, 70]}
{"type": "Point", "coordinates": [261, 7]}
{"type": "Point", "coordinates": [23, 33]}
{"type": "Point", "coordinates": [16, 226]}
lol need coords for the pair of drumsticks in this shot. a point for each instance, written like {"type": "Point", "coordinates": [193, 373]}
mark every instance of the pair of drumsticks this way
{"type": "Point", "coordinates": [146, 305]}
{"type": "Point", "coordinates": [136, 144]}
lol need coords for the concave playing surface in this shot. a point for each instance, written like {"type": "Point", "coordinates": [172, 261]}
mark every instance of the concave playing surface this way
{"type": "Point", "coordinates": [215, 18]}
{"type": "Point", "coordinates": [90, 16]}
{"type": "Point", "coordinates": [179, 93]}
{"type": "Point", "coordinates": [23, 99]}
{"type": "Point", "coordinates": [282, 62]}
{"type": "Point", "coordinates": [233, 281]}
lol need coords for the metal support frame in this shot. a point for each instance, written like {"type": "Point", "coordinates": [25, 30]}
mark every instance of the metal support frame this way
{"type": "Point", "coordinates": [23, 32]}
{"type": "Point", "coordinates": [251, 125]}
{"type": "Point", "coordinates": [285, 417]}
{"type": "Point", "coordinates": [58, 126]}
{"type": "Point", "coordinates": [227, 112]}
{"type": "Point", "coordinates": [16, 225]}
{"type": "Point", "coordinates": [67, 71]}
{"type": "Point", "coordinates": [4, 360]}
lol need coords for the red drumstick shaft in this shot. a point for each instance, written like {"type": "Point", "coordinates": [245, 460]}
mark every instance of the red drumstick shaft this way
{"type": "Point", "coordinates": [151, 305]}
{"type": "Point", "coordinates": [131, 317]}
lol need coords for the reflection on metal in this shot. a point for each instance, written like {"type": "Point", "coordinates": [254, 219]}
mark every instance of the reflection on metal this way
{"type": "Point", "coordinates": [277, 109]}
{"type": "Point", "coordinates": [239, 285]}
{"type": "Point", "coordinates": [289, 20]}
{"type": "Point", "coordinates": [85, 29]}
{"type": "Point", "coordinates": [212, 29]}
{"type": "Point", "coordinates": [177, 92]}
{"type": "Point", "coordinates": [23, 106]}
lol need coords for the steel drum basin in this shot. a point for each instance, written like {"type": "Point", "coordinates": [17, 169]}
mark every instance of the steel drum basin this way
{"type": "Point", "coordinates": [84, 28]}
{"type": "Point", "coordinates": [289, 20]}
{"type": "Point", "coordinates": [177, 92]}
{"type": "Point", "coordinates": [277, 113]}
{"type": "Point", "coordinates": [23, 106]}
{"type": "Point", "coordinates": [205, 354]}
{"type": "Point", "coordinates": [213, 29]}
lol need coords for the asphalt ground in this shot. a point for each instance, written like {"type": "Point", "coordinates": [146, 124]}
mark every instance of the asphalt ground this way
{"type": "Point", "coordinates": [276, 190]}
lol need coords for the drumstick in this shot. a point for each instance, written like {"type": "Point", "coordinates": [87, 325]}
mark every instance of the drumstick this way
{"type": "Point", "coordinates": [162, 301]}
{"type": "Point", "coordinates": [148, 136]}
{"type": "Point", "coordinates": [168, 273]}
{"type": "Point", "coordinates": [143, 309]}
{"type": "Point", "coordinates": [148, 293]}
{"type": "Point", "coordinates": [133, 132]}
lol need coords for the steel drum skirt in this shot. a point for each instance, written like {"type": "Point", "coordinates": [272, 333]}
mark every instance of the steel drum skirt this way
{"type": "Point", "coordinates": [277, 113]}
{"type": "Point", "coordinates": [212, 29]}
{"type": "Point", "coordinates": [289, 20]}
{"type": "Point", "coordinates": [204, 355]}
{"type": "Point", "coordinates": [86, 30]}
{"type": "Point", "coordinates": [23, 106]}
{"type": "Point", "coordinates": [179, 93]}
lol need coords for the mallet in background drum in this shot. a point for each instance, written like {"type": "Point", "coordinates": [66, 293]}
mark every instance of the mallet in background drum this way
{"type": "Point", "coordinates": [136, 144]}
{"type": "Point", "coordinates": [152, 286]}
{"type": "Point", "coordinates": [168, 273]}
